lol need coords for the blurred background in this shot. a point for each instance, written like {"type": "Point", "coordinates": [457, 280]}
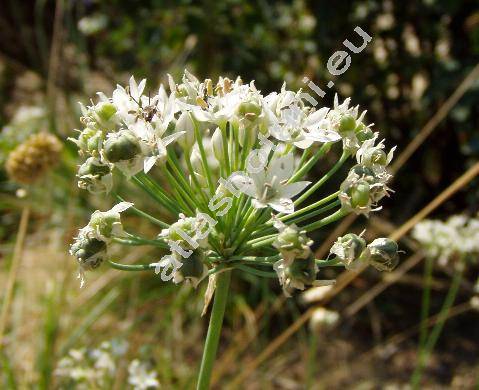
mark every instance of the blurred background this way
{"type": "Point", "coordinates": [418, 79]}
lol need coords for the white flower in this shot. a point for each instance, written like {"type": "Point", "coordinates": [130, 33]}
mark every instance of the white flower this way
{"type": "Point", "coordinates": [348, 249]}
{"type": "Point", "coordinates": [373, 156]}
{"type": "Point", "coordinates": [300, 127]}
{"type": "Point", "coordinates": [106, 224]}
{"type": "Point", "coordinates": [457, 235]}
{"type": "Point", "coordinates": [269, 187]}
{"type": "Point", "coordinates": [323, 318]}
{"type": "Point", "coordinates": [296, 275]}
{"type": "Point", "coordinates": [140, 377]}
{"type": "Point", "coordinates": [349, 123]}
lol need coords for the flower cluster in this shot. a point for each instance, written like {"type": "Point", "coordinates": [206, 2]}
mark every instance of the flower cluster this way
{"type": "Point", "coordinates": [229, 164]}
{"type": "Point", "coordinates": [85, 368]}
{"type": "Point", "coordinates": [457, 236]}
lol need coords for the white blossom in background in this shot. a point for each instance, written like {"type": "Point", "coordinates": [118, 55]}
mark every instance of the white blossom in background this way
{"type": "Point", "coordinates": [141, 377]}
{"type": "Point", "coordinates": [458, 235]}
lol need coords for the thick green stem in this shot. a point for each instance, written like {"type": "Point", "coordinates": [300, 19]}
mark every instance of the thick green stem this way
{"type": "Point", "coordinates": [214, 330]}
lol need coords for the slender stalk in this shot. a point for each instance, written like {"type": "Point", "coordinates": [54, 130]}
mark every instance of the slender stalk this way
{"type": "Point", "coordinates": [323, 180]}
{"type": "Point", "coordinates": [144, 214]}
{"type": "Point", "coordinates": [131, 267]}
{"type": "Point", "coordinates": [12, 275]}
{"type": "Point", "coordinates": [257, 272]}
{"type": "Point", "coordinates": [313, 160]}
{"type": "Point", "coordinates": [426, 302]}
{"type": "Point", "coordinates": [214, 330]}
{"type": "Point", "coordinates": [431, 341]}
{"type": "Point", "coordinates": [204, 158]}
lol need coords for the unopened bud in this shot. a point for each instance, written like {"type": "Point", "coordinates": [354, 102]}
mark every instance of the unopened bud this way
{"type": "Point", "coordinates": [122, 146]}
{"type": "Point", "coordinates": [382, 254]}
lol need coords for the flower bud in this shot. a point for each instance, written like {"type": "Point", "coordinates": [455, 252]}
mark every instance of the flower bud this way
{"type": "Point", "coordinates": [348, 248]}
{"type": "Point", "coordinates": [89, 251]}
{"type": "Point", "coordinates": [107, 224]}
{"type": "Point", "coordinates": [122, 146]}
{"type": "Point", "coordinates": [105, 111]}
{"type": "Point", "coordinates": [382, 254]}
{"type": "Point", "coordinates": [185, 123]}
{"type": "Point", "coordinates": [363, 133]}
{"type": "Point", "coordinates": [347, 124]}
{"type": "Point", "coordinates": [93, 167]}
{"type": "Point", "coordinates": [217, 141]}
{"type": "Point", "coordinates": [302, 270]}
{"type": "Point", "coordinates": [359, 194]}
{"type": "Point", "coordinates": [249, 110]}
{"type": "Point", "coordinates": [196, 161]}
{"type": "Point", "coordinates": [292, 243]}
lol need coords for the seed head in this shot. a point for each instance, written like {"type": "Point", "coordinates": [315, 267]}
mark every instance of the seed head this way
{"type": "Point", "coordinates": [33, 158]}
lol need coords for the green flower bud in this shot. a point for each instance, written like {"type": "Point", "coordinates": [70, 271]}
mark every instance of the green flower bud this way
{"type": "Point", "coordinates": [88, 251]}
{"type": "Point", "coordinates": [302, 270]}
{"type": "Point", "coordinates": [356, 243]}
{"type": "Point", "coordinates": [363, 133]}
{"type": "Point", "coordinates": [93, 167]}
{"type": "Point", "coordinates": [217, 142]}
{"type": "Point", "coordinates": [292, 243]}
{"type": "Point", "coordinates": [347, 124]}
{"type": "Point", "coordinates": [382, 254]}
{"type": "Point", "coordinates": [348, 249]}
{"type": "Point", "coordinates": [192, 267]}
{"type": "Point", "coordinates": [105, 111]}
{"type": "Point", "coordinates": [123, 146]}
{"type": "Point", "coordinates": [359, 194]}
{"type": "Point", "coordinates": [378, 156]}
{"type": "Point", "coordinates": [249, 110]}
{"type": "Point", "coordinates": [364, 172]}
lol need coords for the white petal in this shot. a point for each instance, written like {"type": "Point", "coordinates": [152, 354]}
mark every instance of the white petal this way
{"type": "Point", "coordinates": [304, 144]}
{"type": "Point", "coordinates": [133, 88]}
{"type": "Point", "coordinates": [290, 190]}
{"type": "Point", "coordinates": [282, 205]}
{"type": "Point", "coordinates": [244, 183]}
{"type": "Point", "coordinates": [172, 138]}
{"type": "Point", "coordinates": [122, 206]}
{"type": "Point", "coordinates": [282, 167]}
{"type": "Point", "coordinates": [257, 204]}
{"type": "Point", "coordinates": [149, 163]}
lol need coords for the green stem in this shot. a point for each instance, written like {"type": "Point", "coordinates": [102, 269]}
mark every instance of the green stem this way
{"type": "Point", "coordinates": [311, 162]}
{"type": "Point", "coordinates": [325, 221]}
{"type": "Point", "coordinates": [431, 341]}
{"type": "Point", "coordinates": [214, 330]}
{"type": "Point", "coordinates": [257, 272]}
{"type": "Point", "coordinates": [323, 180]}
{"type": "Point", "coordinates": [131, 267]}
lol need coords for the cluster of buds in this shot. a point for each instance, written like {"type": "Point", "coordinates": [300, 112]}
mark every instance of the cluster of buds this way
{"type": "Point", "coordinates": [297, 267]}
{"type": "Point", "coordinates": [230, 159]}
{"type": "Point", "coordinates": [366, 183]}
{"type": "Point", "coordinates": [33, 158]}
{"type": "Point", "coordinates": [351, 250]}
